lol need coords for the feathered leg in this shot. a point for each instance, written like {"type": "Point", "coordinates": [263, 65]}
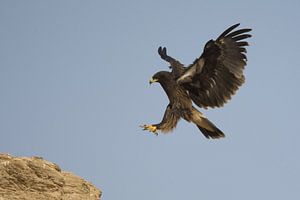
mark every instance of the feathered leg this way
{"type": "Point", "coordinates": [168, 122]}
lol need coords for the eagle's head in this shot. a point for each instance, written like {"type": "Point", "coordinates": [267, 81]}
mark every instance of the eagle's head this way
{"type": "Point", "coordinates": [161, 77]}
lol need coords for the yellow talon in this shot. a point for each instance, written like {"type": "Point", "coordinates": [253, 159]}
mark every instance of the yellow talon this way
{"type": "Point", "coordinates": [150, 128]}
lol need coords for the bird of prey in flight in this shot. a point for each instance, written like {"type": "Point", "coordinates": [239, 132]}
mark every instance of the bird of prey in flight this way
{"type": "Point", "coordinates": [209, 81]}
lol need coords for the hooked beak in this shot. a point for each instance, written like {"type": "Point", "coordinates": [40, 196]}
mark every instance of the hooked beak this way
{"type": "Point", "coordinates": [152, 80]}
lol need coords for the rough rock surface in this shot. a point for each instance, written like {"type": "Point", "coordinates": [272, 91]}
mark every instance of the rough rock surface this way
{"type": "Point", "coordinates": [23, 178]}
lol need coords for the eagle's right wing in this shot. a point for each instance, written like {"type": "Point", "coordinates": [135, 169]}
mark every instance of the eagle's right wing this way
{"type": "Point", "coordinates": [176, 66]}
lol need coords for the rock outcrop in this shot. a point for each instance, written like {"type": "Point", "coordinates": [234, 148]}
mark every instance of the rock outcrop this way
{"type": "Point", "coordinates": [23, 178]}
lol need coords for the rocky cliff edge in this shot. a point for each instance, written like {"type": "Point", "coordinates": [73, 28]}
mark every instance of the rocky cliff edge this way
{"type": "Point", "coordinates": [37, 179]}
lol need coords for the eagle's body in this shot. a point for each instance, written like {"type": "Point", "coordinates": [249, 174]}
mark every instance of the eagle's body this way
{"type": "Point", "coordinates": [209, 82]}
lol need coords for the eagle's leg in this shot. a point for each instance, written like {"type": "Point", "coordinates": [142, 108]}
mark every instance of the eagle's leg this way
{"type": "Point", "coordinates": [168, 122]}
{"type": "Point", "coordinates": [151, 128]}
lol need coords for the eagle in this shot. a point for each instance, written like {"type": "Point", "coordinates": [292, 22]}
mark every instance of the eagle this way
{"type": "Point", "coordinates": [209, 82]}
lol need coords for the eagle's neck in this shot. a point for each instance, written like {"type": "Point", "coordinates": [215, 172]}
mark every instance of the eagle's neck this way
{"type": "Point", "coordinates": [170, 87]}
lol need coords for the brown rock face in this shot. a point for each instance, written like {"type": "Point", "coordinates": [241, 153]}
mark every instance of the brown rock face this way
{"type": "Point", "coordinates": [37, 179]}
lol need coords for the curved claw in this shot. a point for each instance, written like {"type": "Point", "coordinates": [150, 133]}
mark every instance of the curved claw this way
{"type": "Point", "coordinates": [150, 128]}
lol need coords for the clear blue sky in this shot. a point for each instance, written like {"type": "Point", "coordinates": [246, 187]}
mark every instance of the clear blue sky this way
{"type": "Point", "coordinates": [74, 90]}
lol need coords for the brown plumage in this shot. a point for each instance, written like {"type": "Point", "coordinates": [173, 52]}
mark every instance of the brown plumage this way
{"type": "Point", "coordinates": [209, 81]}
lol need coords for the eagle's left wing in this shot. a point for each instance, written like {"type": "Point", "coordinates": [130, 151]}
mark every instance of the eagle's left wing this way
{"type": "Point", "coordinates": [216, 75]}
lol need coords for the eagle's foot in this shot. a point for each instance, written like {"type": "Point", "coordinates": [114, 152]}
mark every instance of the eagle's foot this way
{"type": "Point", "coordinates": [150, 128]}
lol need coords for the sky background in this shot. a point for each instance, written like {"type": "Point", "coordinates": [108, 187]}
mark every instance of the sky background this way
{"type": "Point", "coordinates": [74, 89]}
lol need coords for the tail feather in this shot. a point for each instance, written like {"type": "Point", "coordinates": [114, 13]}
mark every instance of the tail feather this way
{"type": "Point", "coordinates": [215, 134]}
{"type": "Point", "coordinates": [208, 129]}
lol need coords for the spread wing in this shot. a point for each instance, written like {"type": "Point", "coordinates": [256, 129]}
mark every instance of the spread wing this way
{"type": "Point", "coordinates": [176, 66]}
{"type": "Point", "coordinates": [218, 73]}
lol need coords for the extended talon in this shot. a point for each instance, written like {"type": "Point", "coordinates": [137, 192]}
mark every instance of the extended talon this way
{"type": "Point", "coordinates": [150, 128]}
